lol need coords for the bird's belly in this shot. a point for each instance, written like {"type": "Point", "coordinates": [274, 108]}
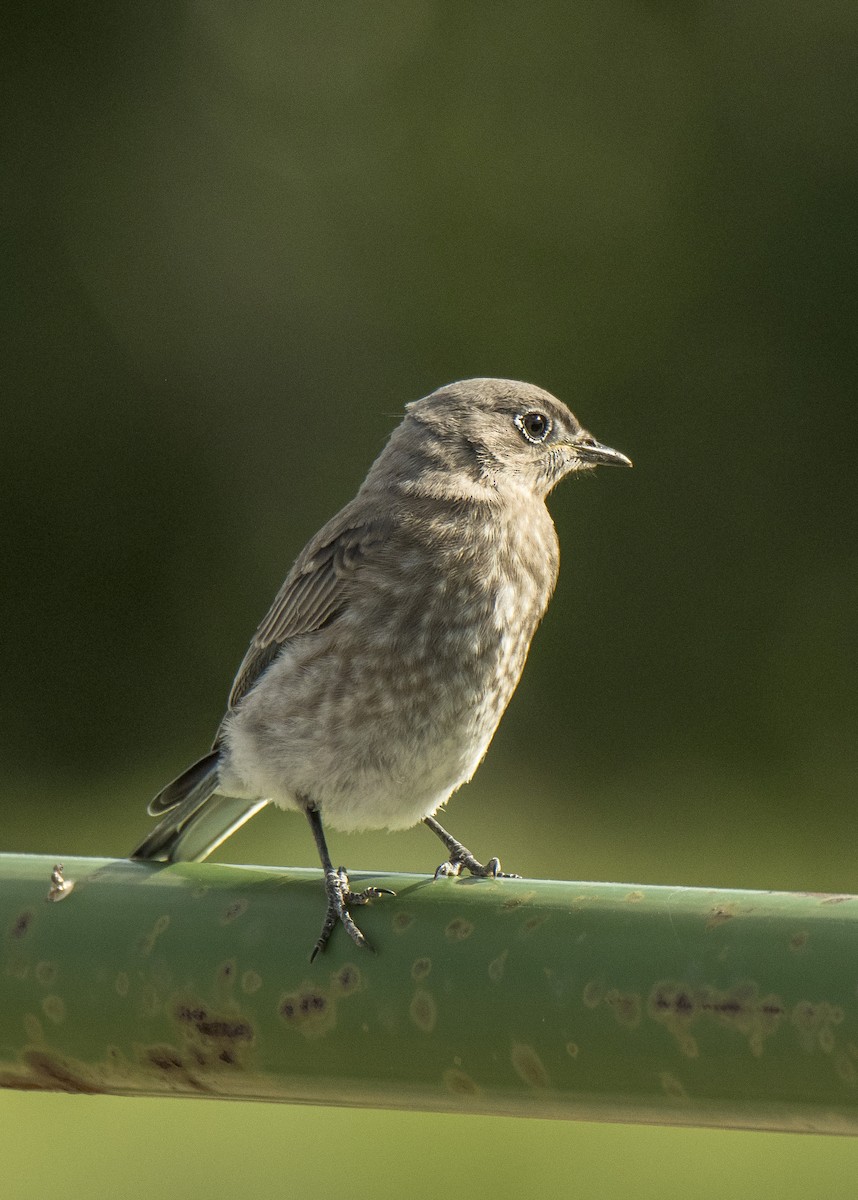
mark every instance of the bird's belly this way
{"type": "Point", "coordinates": [377, 740]}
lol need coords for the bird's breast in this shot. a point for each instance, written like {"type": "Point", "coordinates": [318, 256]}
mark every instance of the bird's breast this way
{"type": "Point", "coordinates": [380, 715]}
{"type": "Point", "coordinates": [465, 632]}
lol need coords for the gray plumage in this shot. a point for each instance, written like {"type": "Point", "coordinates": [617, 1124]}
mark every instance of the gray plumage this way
{"type": "Point", "coordinates": [372, 688]}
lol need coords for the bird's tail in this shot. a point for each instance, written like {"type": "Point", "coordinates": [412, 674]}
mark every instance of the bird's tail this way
{"type": "Point", "coordinates": [197, 818]}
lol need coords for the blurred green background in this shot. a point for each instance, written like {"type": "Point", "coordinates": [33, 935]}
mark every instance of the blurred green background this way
{"type": "Point", "coordinates": [238, 237]}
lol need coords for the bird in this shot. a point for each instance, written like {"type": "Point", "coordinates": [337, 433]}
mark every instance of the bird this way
{"type": "Point", "coordinates": [373, 686]}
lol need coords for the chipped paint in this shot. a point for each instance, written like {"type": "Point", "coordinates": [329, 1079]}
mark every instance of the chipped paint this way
{"type": "Point", "coordinates": [310, 1009]}
{"type": "Point", "coordinates": [225, 974]}
{"type": "Point", "coordinates": [179, 1070]}
{"type": "Point", "coordinates": [458, 929]}
{"type": "Point", "coordinates": [347, 980]}
{"type": "Point", "coordinates": [671, 1086]}
{"type": "Point", "coordinates": [720, 914]}
{"type": "Point", "coordinates": [147, 942]}
{"type": "Point", "coordinates": [679, 1007]}
{"type": "Point", "coordinates": [528, 1066]}
{"type": "Point", "coordinates": [48, 1071]}
{"type": "Point", "coordinates": [54, 1008]}
{"type": "Point", "coordinates": [459, 1083]}
{"type": "Point", "coordinates": [150, 1000]}
{"type": "Point", "coordinates": [497, 966]}
{"type": "Point", "coordinates": [626, 1007]}
{"type": "Point", "coordinates": [593, 993]}
{"type": "Point", "coordinates": [845, 1068]}
{"type": "Point", "coordinates": [233, 911]}
{"type": "Point", "coordinates": [214, 1026]}
{"type": "Point", "coordinates": [46, 972]}
{"type": "Point", "coordinates": [423, 1011]}
{"type": "Point", "coordinates": [21, 925]}
{"type": "Point", "coordinates": [208, 1038]}
{"type": "Point", "coordinates": [116, 1059]}
{"type": "Point", "coordinates": [251, 981]}
{"type": "Point", "coordinates": [813, 1021]}
{"type": "Point", "coordinates": [33, 1028]}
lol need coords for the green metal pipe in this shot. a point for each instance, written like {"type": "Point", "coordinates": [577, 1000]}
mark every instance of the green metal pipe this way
{"type": "Point", "coordinates": [524, 997]}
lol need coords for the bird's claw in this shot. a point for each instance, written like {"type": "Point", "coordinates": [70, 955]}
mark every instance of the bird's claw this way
{"type": "Point", "coordinates": [462, 859]}
{"type": "Point", "coordinates": [340, 898]}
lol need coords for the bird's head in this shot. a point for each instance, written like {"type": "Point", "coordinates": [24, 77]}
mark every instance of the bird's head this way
{"type": "Point", "coordinates": [509, 433]}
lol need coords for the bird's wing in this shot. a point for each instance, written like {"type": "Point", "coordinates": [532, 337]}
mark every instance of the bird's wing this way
{"type": "Point", "coordinates": [316, 591]}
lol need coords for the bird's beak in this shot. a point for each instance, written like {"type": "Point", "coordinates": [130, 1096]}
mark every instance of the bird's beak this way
{"type": "Point", "coordinates": [588, 450]}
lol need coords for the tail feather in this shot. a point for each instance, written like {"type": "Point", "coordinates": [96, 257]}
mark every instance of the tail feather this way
{"type": "Point", "coordinates": [197, 819]}
{"type": "Point", "coordinates": [201, 777]}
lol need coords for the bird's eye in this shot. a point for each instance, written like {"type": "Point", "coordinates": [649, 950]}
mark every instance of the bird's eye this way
{"type": "Point", "coordinates": [535, 426]}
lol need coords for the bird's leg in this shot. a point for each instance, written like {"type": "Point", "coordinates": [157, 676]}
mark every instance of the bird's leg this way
{"type": "Point", "coordinates": [461, 857]}
{"type": "Point", "coordinates": [339, 893]}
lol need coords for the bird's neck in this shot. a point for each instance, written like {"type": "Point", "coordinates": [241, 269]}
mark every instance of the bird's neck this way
{"type": "Point", "coordinates": [429, 469]}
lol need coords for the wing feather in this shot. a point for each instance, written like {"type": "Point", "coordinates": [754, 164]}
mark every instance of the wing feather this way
{"type": "Point", "coordinates": [315, 592]}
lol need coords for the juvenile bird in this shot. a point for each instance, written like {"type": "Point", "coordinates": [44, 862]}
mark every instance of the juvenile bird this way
{"type": "Point", "coordinates": [373, 686]}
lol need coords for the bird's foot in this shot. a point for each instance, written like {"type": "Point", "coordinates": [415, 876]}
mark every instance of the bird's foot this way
{"type": "Point", "coordinates": [461, 859]}
{"type": "Point", "coordinates": [340, 897]}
